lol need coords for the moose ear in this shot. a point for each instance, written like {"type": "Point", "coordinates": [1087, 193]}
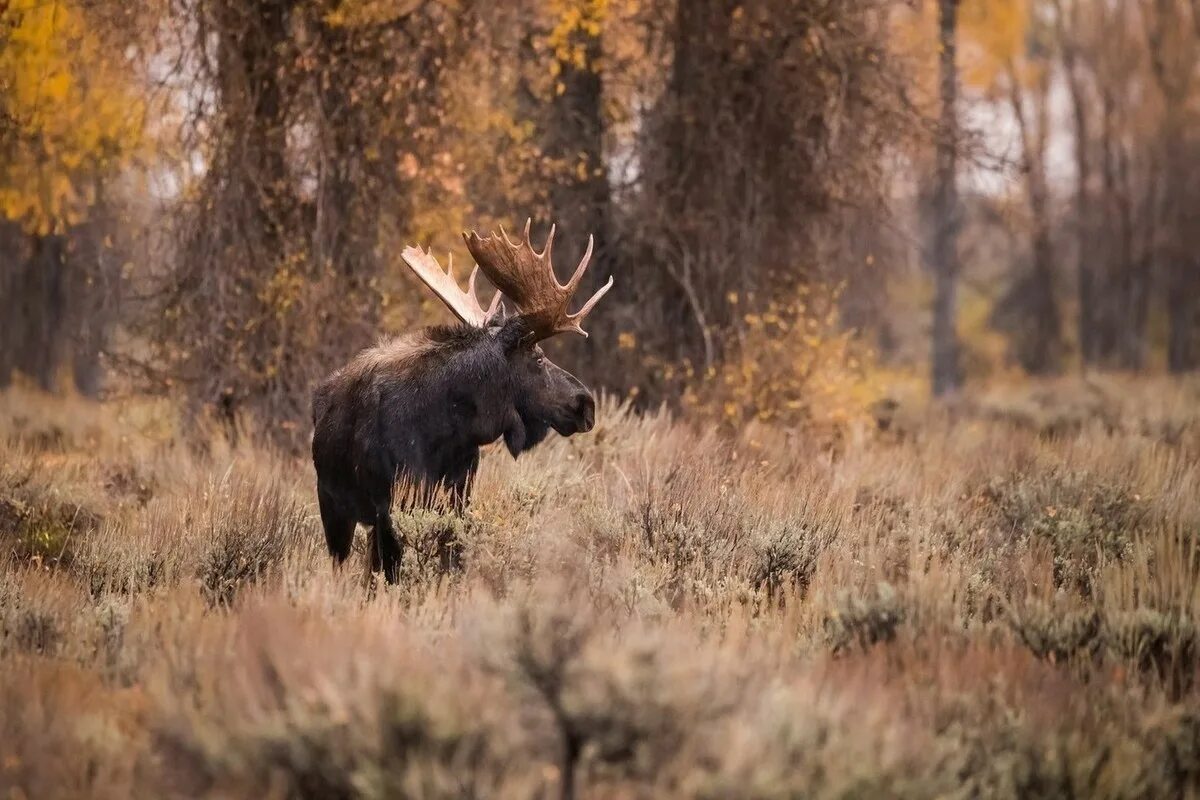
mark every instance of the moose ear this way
{"type": "Point", "coordinates": [513, 333]}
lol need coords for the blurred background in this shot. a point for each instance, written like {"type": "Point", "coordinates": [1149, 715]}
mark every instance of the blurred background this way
{"type": "Point", "coordinates": [812, 208]}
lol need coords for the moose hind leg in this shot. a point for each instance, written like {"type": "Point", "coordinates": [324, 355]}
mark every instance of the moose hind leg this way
{"type": "Point", "coordinates": [387, 551]}
{"type": "Point", "coordinates": [339, 528]}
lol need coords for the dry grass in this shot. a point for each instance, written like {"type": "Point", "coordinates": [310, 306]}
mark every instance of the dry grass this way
{"type": "Point", "coordinates": [996, 600]}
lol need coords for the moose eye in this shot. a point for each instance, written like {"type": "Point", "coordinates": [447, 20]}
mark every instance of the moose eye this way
{"type": "Point", "coordinates": [540, 360]}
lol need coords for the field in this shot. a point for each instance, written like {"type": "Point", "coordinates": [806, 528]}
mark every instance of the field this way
{"type": "Point", "coordinates": [994, 599]}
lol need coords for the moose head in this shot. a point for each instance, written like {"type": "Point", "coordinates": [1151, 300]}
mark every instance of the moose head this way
{"type": "Point", "coordinates": [544, 395]}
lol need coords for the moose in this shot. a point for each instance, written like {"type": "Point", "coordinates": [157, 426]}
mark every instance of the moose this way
{"type": "Point", "coordinates": [416, 409]}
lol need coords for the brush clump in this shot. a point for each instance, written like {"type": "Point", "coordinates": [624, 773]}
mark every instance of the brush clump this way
{"type": "Point", "coordinates": [984, 606]}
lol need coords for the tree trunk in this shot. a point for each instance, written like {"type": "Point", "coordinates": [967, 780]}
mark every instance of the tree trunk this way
{"type": "Point", "coordinates": [35, 332]}
{"type": "Point", "coordinates": [1121, 334]}
{"type": "Point", "coordinates": [1173, 62]}
{"type": "Point", "coordinates": [46, 354]}
{"type": "Point", "coordinates": [1181, 313]}
{"type": "Point", "coordinates": [1180, 264]}
{"type": "Point", "coordinates": [249, 184]}
{"type": "Point", "coordinates": [59, 291]}
{"type": "Point", "coordinates": [946, 376]}
{"type": "Point", "coordinates": [11, 273]}
{"type": "Point", "coordinates": [1041, 351]}
{"type": "Point", "coordinates": [580, 200]}
{"type": "Point", "coordinates": [1085, 251]}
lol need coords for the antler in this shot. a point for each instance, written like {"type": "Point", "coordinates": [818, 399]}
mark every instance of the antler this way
{"type": "Point", "coordinates": [527, 277]}
{"type": "Point", "coordinates": [465, 305]}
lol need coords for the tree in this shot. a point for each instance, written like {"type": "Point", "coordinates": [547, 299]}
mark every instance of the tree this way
{"type": "Point", "coordinates": [944, 250]}
{"type": "Point", "coordinates": [574, 127]}
{"type": "Point", "coordinates": [1068, 25]}
{"type": "Point", "coordinates": [1116, 224]}
{"type": "Point", "coordinates": [766, 138]}
{"type": "Point", "coordinates": [1011, 63]}
{"type": "Point", "coordinates": [316, 119]}
{"type": "Point", "coordinates": [70, 122]}
{"type": "Point", "coordinates": [560, 95]}
{"type": "Point", "coordinates": [1172, 30]}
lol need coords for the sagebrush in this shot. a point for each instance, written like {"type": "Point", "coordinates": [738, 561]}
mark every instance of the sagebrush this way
{"type": "Point", "coordinates": [979, 601]}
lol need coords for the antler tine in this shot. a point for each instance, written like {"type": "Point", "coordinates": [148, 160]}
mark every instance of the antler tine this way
{"type": "Point", "coordinates": [495, 305]}
{"type": "Point", "coordinates": [491, 311]}
{"type": "Point", "coordinates": [573, 284]}
{"type": "Point", "coordinates": [546, 248]}
{"type": "Point", "coordinates": [528, 278]}
{"type": "Point", "coordinates": [465, 305]}
{"type": "Point", "coordinates": [578, 317]}
{"type": "Point", "coordinates": [471, 291]}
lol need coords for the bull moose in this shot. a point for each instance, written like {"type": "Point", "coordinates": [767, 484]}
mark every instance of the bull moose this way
{"type": "Point", "coordinates": [416, 409]}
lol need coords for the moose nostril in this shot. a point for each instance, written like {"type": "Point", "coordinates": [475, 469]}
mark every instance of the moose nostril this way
{"type": "Point", "coordinates": [585, 407]}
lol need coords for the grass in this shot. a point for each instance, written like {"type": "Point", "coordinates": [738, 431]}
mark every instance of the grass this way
{"type": "Point", "coordinates": [997, 599]}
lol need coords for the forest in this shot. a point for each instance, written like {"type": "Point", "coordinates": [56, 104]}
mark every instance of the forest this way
{"type": "Point", "coordinates": [893, 487]}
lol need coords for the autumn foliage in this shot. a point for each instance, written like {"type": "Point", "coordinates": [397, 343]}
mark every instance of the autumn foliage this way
{"type": "Point", "coordinates": [893, 488]}
{"type": "Point", "coordinates": [73, 114]}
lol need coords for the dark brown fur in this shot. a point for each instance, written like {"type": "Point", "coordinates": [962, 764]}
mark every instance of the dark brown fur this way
{"type": "Point", "coordinates": [418, 409]}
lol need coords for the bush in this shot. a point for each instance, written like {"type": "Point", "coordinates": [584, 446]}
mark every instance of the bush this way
{"type": "Point", "coordinates": [657, 614]}
{"type": "Point", "coordinates": [39, 522]}
{"type": "Point", "coordinates": [863, 620]}
{"type": "Point", "coordinates": [1163, 644]}
{"type": "Point", "coordinates": [434, 544]}
{"type": "Point", "coordinates": [319, 747]}
{"type": "Point", "coordinates": [1083, 520]}
{"type": "Point", "coordinates": [794, 367]}
{"type": "Point", "coordinates": [1055, 633]}
{"type": "Point", "coordinates": [785, 555]}
{"type": "Point", "coordinates": [246, 527]}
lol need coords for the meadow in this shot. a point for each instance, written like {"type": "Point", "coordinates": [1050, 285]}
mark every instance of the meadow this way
{"type": "Point", "coordinates": [995, 598]}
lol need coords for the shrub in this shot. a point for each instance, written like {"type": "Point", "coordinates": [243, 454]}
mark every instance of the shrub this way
{"type": "Point", "coordinates": [794, 367]}
{"type": "Point", "coordinates": [389, 743]}
{"type": "Point", "coordinates": [659, 615]}
{"type": "Point", "coordinates": [126, 557]}
{"type": "Point", "coordinates": [863, 620]}
{"type": "Point", "coordinates": [1055, 633]}
{"type": "Point", "coordinates": [1163, 644]}
{"type": "Point", "coordinates": [785, 555]}
{"type": "Point", "coordinates": [245, 527]}
{"type": "Point", "coordinates": [434, 544]}
{"type": "Point", "coordinates": [1083, 519]}
{"type": "Point", "coordinates": [39, 522]}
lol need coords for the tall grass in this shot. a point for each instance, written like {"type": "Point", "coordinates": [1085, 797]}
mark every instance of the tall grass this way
{"type": "Point", "coordinates": [994, 600]}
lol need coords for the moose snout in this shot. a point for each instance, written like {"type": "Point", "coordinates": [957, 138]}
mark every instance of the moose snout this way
{"type": "Point", "coordinates": [585, 411]}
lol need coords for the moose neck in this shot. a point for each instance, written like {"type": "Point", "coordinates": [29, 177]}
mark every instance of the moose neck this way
{"type": "Point", "coordinates": [479, 386]}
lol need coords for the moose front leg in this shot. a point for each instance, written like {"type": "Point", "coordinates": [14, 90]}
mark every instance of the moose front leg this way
{"type": "Point", "coordinates": [458, 486]}
{"type": "Point", "coordinates": [387, 551]}
{"type": "Point", "coordinates": [449, 546]}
